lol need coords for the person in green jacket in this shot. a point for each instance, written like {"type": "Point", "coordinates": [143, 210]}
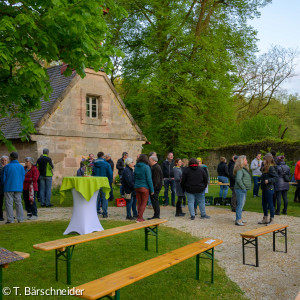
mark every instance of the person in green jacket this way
{"type": "Point", "coordinates": [242, 184]}
{"type": "Point", "coordinates": [143, 184]}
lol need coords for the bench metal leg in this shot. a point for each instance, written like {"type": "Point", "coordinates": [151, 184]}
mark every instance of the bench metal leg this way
{"type": "Point", "coordinates": [64, 255]}
{"type": "Point", "coordinates": [211, 256]}
{"type": "Point", "coordinates": [282, 233]}
{"type": "Point", "coordinates": [253, 242]}
{"type": "Point", "coordinates": [117, 295]}
{"type": "Point", "coordinates": [152, 231]}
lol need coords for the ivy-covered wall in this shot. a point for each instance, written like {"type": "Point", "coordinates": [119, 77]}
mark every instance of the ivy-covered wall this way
{"type": "Point", "coordinates": [290, 149]}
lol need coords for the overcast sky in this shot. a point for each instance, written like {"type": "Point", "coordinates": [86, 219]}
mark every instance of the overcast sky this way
{"type": "Point", "coordinates": [279, 24]}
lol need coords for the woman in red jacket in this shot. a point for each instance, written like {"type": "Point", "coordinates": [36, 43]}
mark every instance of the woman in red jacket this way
{"type": "Point", "coordinates": [30, 188]}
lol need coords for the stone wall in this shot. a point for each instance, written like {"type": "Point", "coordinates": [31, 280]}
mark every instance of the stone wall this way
{"type": "Point", "coordinates": [24, 149]}
{"type": "Point", "coordinates": [211, 156]}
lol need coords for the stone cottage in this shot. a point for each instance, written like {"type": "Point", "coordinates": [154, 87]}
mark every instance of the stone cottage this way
{"type": "Point", "coordinates": [83, 116]}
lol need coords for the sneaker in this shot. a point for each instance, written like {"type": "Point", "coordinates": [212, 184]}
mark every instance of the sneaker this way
{"type": "Point", "coordinates": [243, 221]}
{"type": "Point", "coordinates": [128, 218]}
{"type": "Point", "coordinates": [105, 216]}
{"type": "Point", "coordinates": [50, 205]}
{"type": "Point", "coordinates": [29, 217]}
{"type": "Point", "coordinates": [192, 217]}
{"type": "Point", "coordinates": [233, 210]}
{"type": "Point", "coordinates": [284, 212]}
{"type": "Point", "coordinates": [33, 218]}
{"type": "Point", "coordinates": [1, 219]}
{"type": "Point", "coordinates": [239, 223]}
{"type": "Point", "coordinates": [135, 217]}
{"type": "Point", "coordinates": [99, 212]}
{"type": "Point", "coordinates": [139, 220]}
{"type": "Point", "coordinates": [43, 205]}
{"type": "Point", "coordinates": [180, 215]}
{"type": "Point", "coordinates": [205, 217]}
{"type": "Point", "coordinates": [8, 222]}
{"type": "Point", "coordinates": [277, 213]}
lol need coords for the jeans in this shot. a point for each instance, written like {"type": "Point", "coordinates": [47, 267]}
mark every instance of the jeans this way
{"type": "Point", "coordinates": [241, 199]}
{"type": "Point", "coordinates": [223, 188]}
{"type": "Point", "coordinates": [285, 200]}
{"type": "Point", "coordinates": [102, 202]}
{"type": "Point", "coordinates": [30, 207]}
{"type": "Point", "coordinates": [45, 189]}
{"type": "Point", "coordinates": [256, 179]}
{"type": "Point", "coordinates": [170, 182]}
{"type": "Point", "coordinates": [131, 204]}
{"type": "Point", "coordinates": [142, 195]}
{"type": "Point", "coordinates": [10, 198]}
{"type": "Point", "coordinates": [267, 202]}
{"type": "Point", "coordinates": [200, 198]}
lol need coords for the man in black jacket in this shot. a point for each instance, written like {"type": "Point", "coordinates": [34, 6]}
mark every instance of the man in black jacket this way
{"type": "Point", "coordinates": [45, 166]}
{"type": "Point", "coordinates": [194, 181]}
{"type": "Point", "coordinates": [157, 179]}
{"type": "Point", "coordinates": [120, 166]}
{"type": "Point", "coordinates": [232, 181]}
{"type": "Point", "coordinates": [112, 165]}
{"type": "Point", "coordinates": [168, 173]}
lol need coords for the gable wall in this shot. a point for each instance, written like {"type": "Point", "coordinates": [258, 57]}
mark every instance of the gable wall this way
{"type": "Point", "coordinates": [69, 117]}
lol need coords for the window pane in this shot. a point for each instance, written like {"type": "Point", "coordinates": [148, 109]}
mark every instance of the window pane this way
{"type": "Point", "coordinates": [94, 114]}
{"type": "Point", "coordinates": [94, 107]}
{"type": "Point", "coordinates": [94, 101]}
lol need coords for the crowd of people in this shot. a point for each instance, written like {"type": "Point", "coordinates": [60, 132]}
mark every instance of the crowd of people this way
{"type": "Point", "coordinates": [270, 174]}
{"type": "Point", "coordinates": [32, 181]}
{"type": "Point", "coordinates": [142, 180]}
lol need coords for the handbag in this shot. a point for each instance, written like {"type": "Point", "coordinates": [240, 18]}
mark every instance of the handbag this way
{"type": "Point", "coordinates": [31, 193]}
{"type": "Point", "coordinates": [127, 196]}
{"type": "Point", "coordinates": [285, 177]}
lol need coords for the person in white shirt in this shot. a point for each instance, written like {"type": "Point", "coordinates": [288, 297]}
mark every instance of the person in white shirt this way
{"type": "Point", "coordinates": [256, 173]}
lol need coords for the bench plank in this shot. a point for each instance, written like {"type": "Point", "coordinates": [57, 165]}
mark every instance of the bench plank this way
{"type": "Point", "coordinates": [263, 230]}
{"type": "Point", "coordinates": [115, 281]}
{"type": "Point", "coordinates": [22, 254]}
{"type": "Point", "coordinates": [74, 240]}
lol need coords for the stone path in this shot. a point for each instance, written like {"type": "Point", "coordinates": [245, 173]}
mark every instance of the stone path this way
{"type": "Point", "coordinates": [278, 274]}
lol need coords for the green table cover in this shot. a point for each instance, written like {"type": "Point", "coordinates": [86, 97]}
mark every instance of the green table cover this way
{"type": "Point", "coordinates": [86, 186]}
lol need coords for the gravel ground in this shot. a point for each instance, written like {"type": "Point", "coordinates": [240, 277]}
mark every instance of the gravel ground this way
{"type": "Point", "coordinates": [278, 274]}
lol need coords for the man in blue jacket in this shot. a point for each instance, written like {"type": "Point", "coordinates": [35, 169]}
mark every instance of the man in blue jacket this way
{"type": "Point", "coordinates": [13, 176]}
{"type": "Point", "coordinates": [102, 169]}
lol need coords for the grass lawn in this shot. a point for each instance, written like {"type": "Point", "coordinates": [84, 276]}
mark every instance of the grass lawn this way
{"type": "Point", "coordinates": [98, 258]}
{"type": "Point", "coordinates": [252, 204]}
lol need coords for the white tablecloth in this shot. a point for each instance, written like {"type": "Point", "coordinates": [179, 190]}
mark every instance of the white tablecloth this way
{"type": "Point", "coordinates": [84, 218]}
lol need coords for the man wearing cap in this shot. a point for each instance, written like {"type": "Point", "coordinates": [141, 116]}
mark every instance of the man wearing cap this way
{"type": "Point", "coordinates": [232, 181]}
{"type": "Point", "coordinates": [12, 177]}
{"type": "Point", "coordinates": [45, 166]}
{"type": "Point", "coordinates": [112, 165]}
{"type": "Point", "coordinates": [121, 166]}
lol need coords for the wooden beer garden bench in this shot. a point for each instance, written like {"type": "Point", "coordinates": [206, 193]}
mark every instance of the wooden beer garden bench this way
{"type": "Point", "coordinates": [7, 257]}
{"type": "Point", "coordinates": [64, 247]}
{"type": "Point", "coordinates": [110, 285]}
{"type": "Point", "coordinates": [251, 237]}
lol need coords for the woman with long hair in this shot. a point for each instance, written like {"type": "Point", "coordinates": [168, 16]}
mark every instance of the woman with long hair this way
{"type": "Point", "coordinates": [143, 184]}
{"type": "Point", "coordinates": [242, 184]}
{"type": "Point", "coordinates": [178, 189]}
{"type": "Point", "coordinates": [268, 179]}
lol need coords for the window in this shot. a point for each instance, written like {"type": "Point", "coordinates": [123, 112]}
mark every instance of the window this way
{"type": "Point", "coordinates": [92, 107]}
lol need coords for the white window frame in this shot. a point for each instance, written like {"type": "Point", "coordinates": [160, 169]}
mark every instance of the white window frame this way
{"type": "Point", "coordinates": [90, 107]}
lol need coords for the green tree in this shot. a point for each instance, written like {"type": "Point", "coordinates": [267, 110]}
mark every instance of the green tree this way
{"type": "Point", "coordinates": [179, 67]}
{"type": "Point", "coordinates": [32, 32]}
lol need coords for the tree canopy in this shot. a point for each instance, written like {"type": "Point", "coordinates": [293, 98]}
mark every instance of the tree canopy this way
{"type": "Point", "coordinates": [179, 68]}
{"type": "Point", "coordinates": [34, 32]}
